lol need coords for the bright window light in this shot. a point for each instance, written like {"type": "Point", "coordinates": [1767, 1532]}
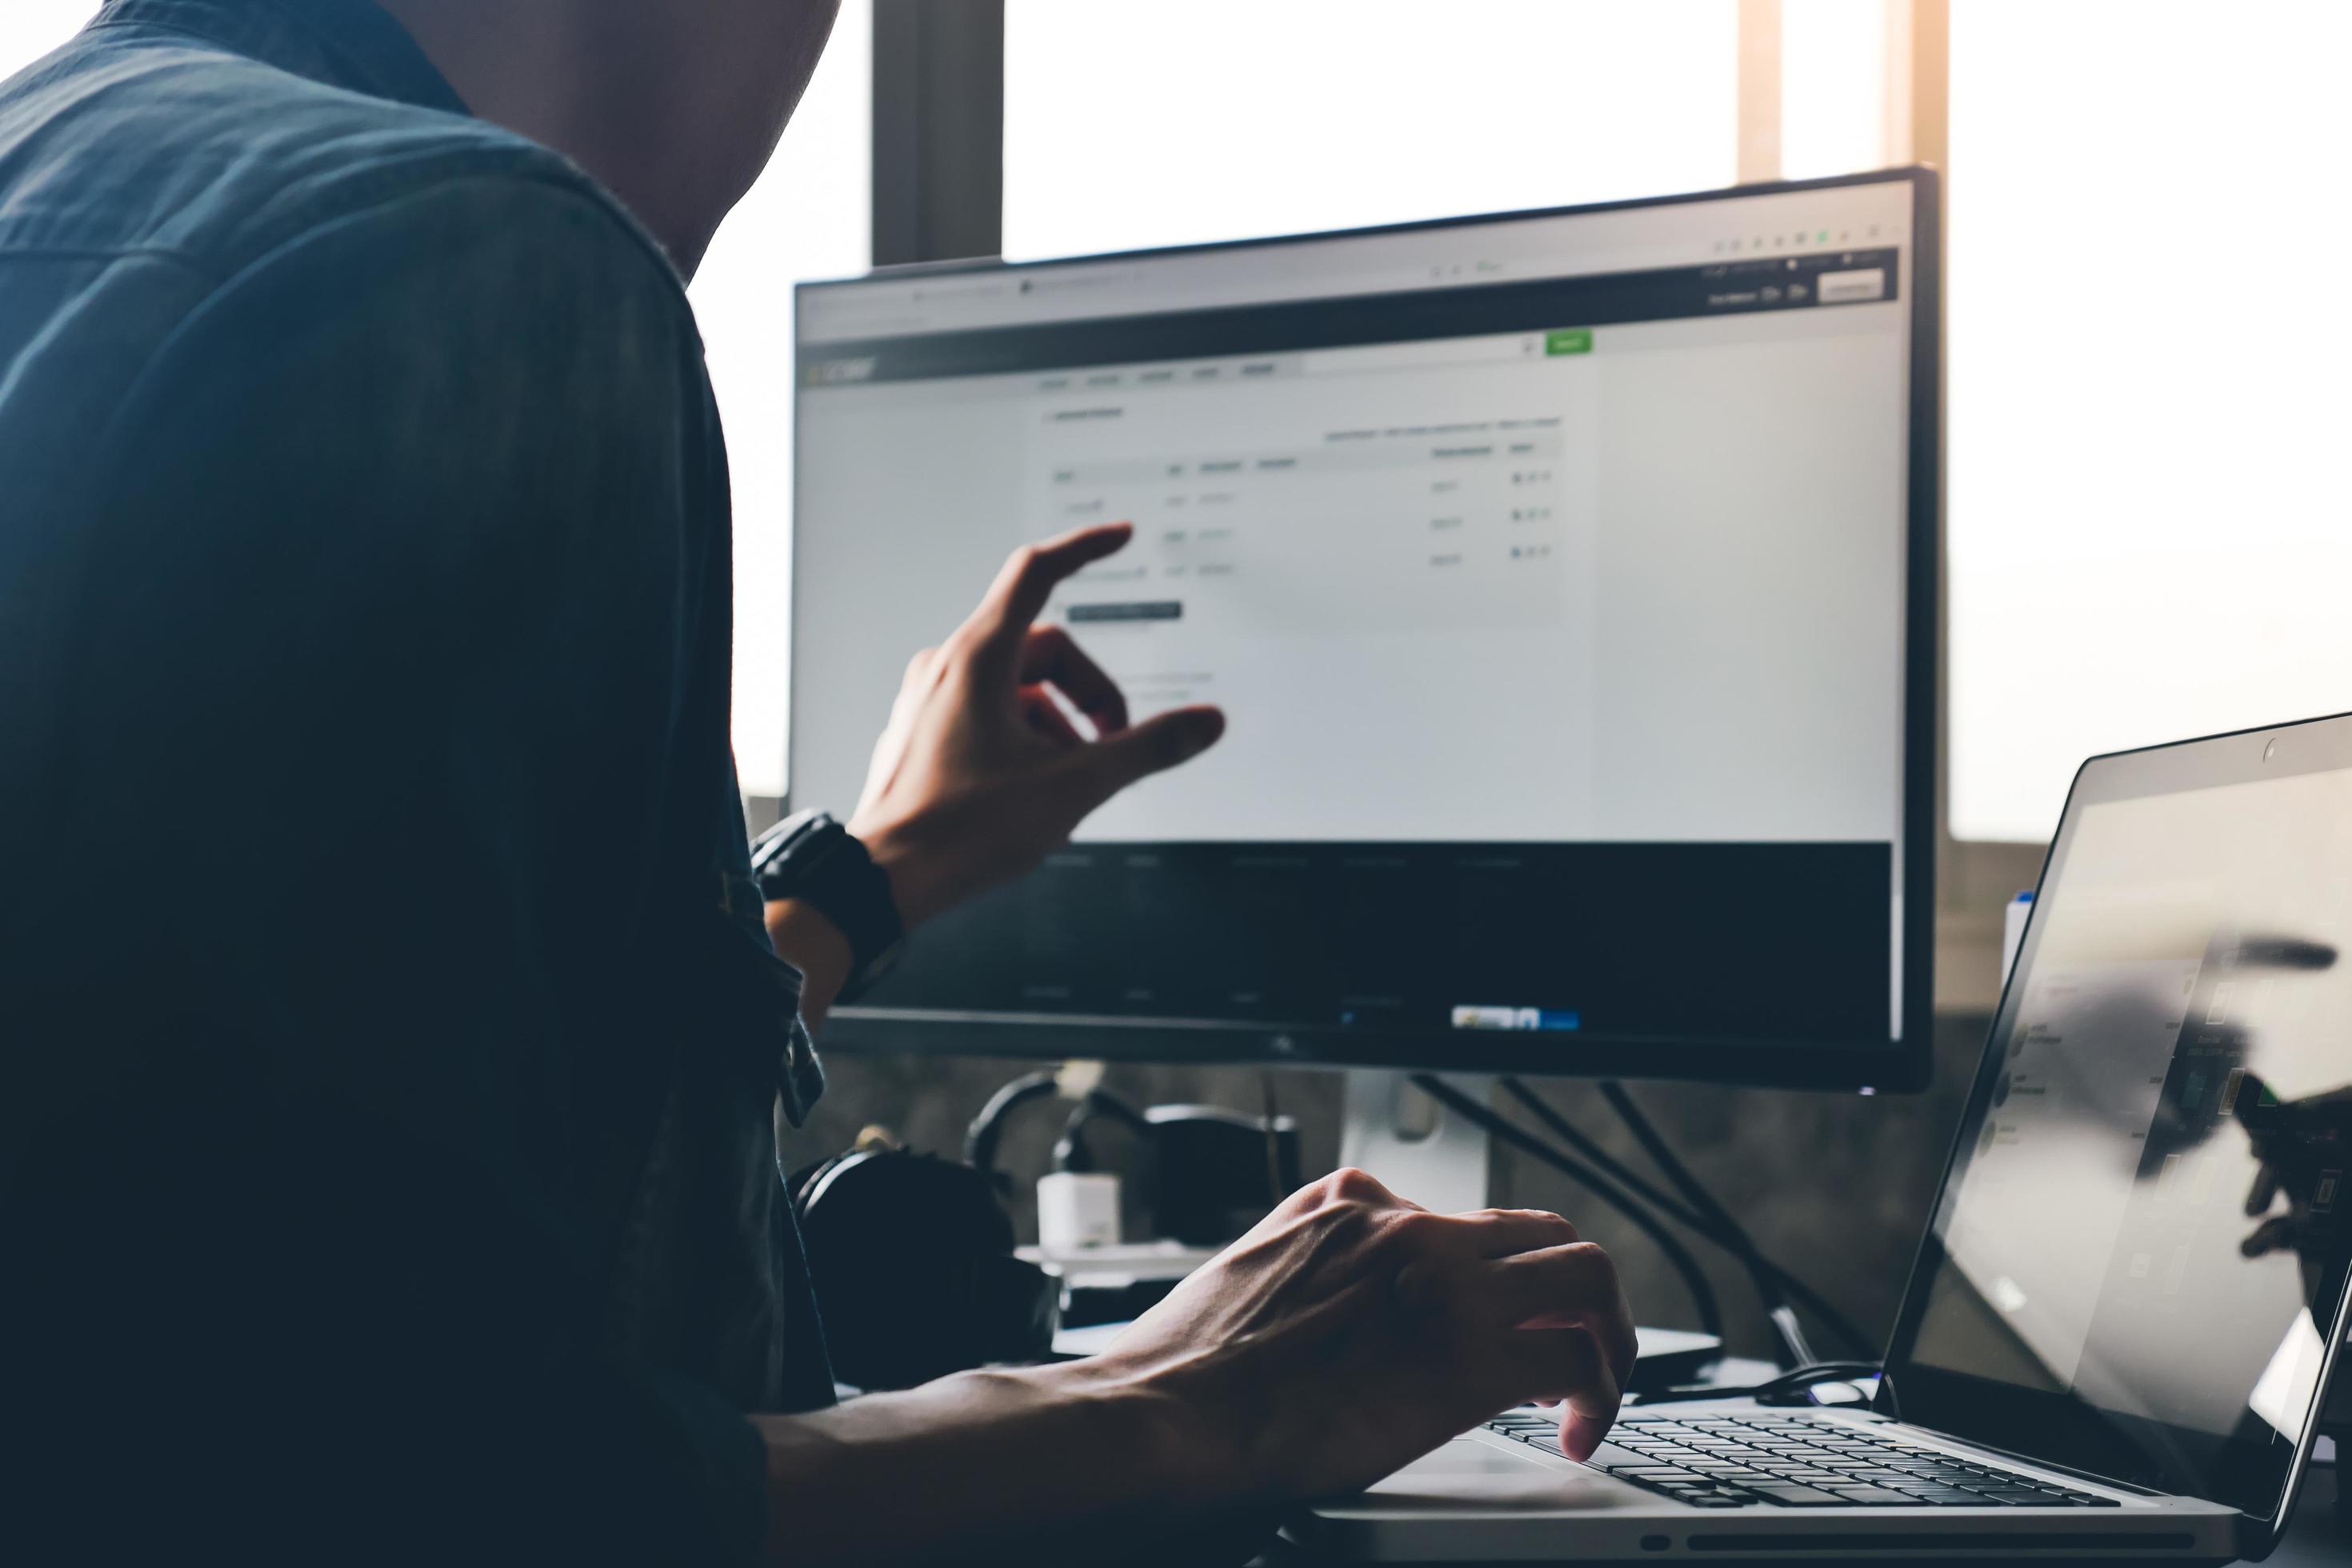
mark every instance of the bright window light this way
{"type": "Point", "coordinates": [31, 29]}
{"type": "Point", "coordinates": [1832, 86]}
{"type": "Point", "coordinates": [1162, 122]}
{"type": "Point", "coordinates": [810, 216]}
{"type": "Point", "coordinates": [2149, 534]}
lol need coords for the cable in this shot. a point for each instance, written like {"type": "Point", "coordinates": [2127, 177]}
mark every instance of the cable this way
{"type": "Point", "coordinates": [1775, 1298]}
{"type": "Point", "coordinates": [979, 1139]}
{"type": "Point", "coordinates": [1694, 1277]}
{"type": "Point", "coordinates": [1274, 1193]}
{"type": "Point", "coordinates": [1790, 1382]}
{"type": "Point", "coordinates": [1527, 1143]}
{"type": "Point", "coordinates": [1072, 1152]}
{"type": "Point", "coordinates": [1726, 1234]}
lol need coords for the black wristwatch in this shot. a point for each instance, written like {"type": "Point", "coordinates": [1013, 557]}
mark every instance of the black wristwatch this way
{"type": "Point", "coordinates": [812, 858]}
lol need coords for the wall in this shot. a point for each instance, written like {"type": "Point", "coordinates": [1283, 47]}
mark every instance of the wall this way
{"type": "Point", "coordinates": [1835, 1188]}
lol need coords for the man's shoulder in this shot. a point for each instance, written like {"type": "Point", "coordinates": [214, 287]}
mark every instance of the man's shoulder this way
{"type": "Point", "coordinates": [215, 162]}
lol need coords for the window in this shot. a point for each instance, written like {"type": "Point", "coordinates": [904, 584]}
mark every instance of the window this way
{"type": "Point", "coordinates": [1143, 124]}
{"type": "Point", "coordinates": [1842, 68]}
{"type": "Point", "coordinates": [809, 217]}
{"type": "Point", "coordinates": [2149, 532]}
{"type": "Point", "coordinates": [31, 29]}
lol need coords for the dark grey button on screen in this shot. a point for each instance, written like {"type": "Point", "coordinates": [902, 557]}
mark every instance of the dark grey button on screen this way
{"type": "Point", "coordinates": [1140, 610]}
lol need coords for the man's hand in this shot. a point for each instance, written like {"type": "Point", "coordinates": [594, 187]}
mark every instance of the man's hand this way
{"type": "Point", "coordinates": [981, 772]}
{"type": "Point", "coordinates": [2302, 1146]}
{"type": "Point", "coordinates": [1351, 1332]}
{"type": "Point", "coordinates": [1348, 1334]}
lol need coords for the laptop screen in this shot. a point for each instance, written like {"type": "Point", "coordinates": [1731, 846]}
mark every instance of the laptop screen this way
{"type": "Point", "coordinates": [2139, 1258]}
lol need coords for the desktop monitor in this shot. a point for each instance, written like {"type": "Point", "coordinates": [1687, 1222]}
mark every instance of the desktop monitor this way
{"type": "Point", "coordinates": [1568, 579]}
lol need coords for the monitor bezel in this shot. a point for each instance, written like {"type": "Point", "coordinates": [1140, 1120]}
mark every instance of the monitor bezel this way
{"type": "Point", "coordinates": [1901, 1065]}
{"type": "Point", "coordinates": [2049, 1427]}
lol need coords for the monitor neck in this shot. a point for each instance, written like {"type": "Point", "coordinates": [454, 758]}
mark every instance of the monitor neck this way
{"type": "Point", "coordinates": [1415, 1147]}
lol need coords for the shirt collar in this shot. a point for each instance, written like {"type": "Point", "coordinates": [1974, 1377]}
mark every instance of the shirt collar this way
{"type": "Point", "coordinates": [351, 44]}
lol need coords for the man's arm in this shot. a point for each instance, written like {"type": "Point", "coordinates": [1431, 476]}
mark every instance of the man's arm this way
{"type": "Point", "coordinates": [393, 670]}
{"type": "Point", "coordinates": [1346, 1335]}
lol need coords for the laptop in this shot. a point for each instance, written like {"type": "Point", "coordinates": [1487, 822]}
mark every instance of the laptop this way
{"type": "Point", "coordinates": [2131, 1291]}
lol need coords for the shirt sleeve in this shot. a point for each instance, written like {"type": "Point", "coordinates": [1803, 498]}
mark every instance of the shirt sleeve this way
{"type": "Point", "coordinates": [405, 545]}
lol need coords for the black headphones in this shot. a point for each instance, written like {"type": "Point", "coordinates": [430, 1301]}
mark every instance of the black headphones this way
{"type": "Point", "coordinates": [911, 1257]}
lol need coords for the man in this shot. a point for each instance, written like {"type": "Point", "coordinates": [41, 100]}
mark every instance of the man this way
{"type": "Point", "coordinates": [390, 1035]}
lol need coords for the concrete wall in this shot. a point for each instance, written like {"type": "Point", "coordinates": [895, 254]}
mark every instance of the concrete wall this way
{"type": "Point", "coordinates": [1835, 1187]}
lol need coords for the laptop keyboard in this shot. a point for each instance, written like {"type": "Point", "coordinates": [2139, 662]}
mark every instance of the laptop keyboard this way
{"type": "Point", "coordinates": [1792, 1462]}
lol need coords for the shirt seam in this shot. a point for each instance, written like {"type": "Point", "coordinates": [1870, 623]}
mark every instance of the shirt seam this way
{"type": "Point", "coordinates": [543, 171]}
{"type": "Point", "coordinates": [226, 282]}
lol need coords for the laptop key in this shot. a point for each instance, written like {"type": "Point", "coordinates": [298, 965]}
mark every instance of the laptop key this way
{"type": "Point", "coordinates": [1876, 1497]}
{"type": "Point", "coordinates": [1792, 1495]}
{"type": "Point", "coordinates": [1609, 1456]}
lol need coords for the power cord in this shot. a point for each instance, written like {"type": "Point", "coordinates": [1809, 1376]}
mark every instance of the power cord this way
{"type": "Point", "coordinates": [1274, 1193]}
{"type": "Point", "coordinates": [1694, 1277]}
{"type": "Point", "coordinates": [1798, 1351]}
{"type": "Point", "coordinates": [1536, 1147]}
{"type": "Point", "coordinates": [1774, 1284]}
{"type": "Point", "coordinates": [1781, 1390]}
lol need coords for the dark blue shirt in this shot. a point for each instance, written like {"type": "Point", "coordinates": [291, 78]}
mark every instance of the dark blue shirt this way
{"type": "Point", "coordinates": [388, 1037]}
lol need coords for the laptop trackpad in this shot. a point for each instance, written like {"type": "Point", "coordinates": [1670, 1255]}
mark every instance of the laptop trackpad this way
{"type": "Point", "coordinates": [1467, 1471]}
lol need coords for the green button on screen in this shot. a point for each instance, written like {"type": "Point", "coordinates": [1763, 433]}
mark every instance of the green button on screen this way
{"type": "Point", "coordinates": [1568, 341]}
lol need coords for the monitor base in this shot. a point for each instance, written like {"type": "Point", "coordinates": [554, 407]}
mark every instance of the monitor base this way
{"type": "Point", "coordinates": [1416, 1148]}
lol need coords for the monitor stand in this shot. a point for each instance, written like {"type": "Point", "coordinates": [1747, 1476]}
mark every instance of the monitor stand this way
{"type": "Point", "coordinates": [1421, 1152]}
{"type": "Point", "coordinates": [1417, 1149]}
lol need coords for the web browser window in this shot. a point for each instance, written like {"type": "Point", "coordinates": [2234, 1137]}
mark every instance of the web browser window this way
{"type": "Point", "coordinates": [1499, 544]}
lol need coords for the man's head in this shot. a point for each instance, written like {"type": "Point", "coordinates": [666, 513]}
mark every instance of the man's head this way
{"type": "Point", "coordinates": [675, 105]}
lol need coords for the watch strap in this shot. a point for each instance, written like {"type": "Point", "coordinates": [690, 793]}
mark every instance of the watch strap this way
{"type": "Point", "coordinates": [812, 858]}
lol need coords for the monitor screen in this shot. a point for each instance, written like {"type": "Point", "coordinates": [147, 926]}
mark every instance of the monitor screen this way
{"type": "Point", "coordinates": [2138, 1263]}
{"type": "Point", "coordinates": [1565, 579]}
